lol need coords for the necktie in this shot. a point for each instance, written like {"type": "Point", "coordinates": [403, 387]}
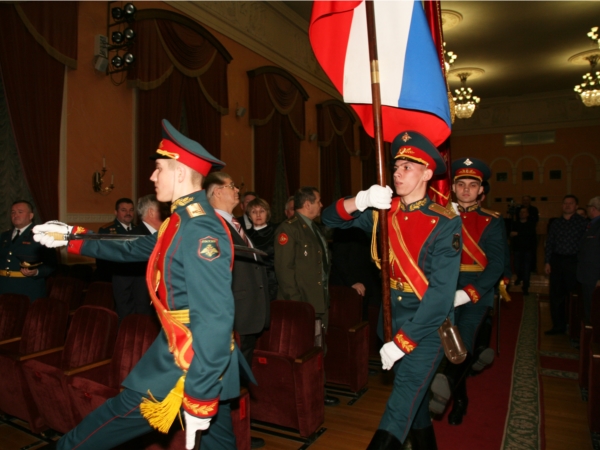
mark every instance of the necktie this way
{"type": "Point", "coordinates": [240, 230]}
{"type": "Point", "coordinates": [16, 235]}
{"type": "Point", "coordinates": [320, 239]}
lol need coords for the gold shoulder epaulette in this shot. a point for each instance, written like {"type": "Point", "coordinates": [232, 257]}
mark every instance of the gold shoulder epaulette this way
{"type": "Point", "coordinates": [195, 210]}
{"type": "Point", "coordinates": [496, 214]}
{"type": "Point", "coordinates": [292, 220]}
{"type": "Point", "coordinates": [108, 224]}
{"type": "Point", "coordinates": [435, 207]}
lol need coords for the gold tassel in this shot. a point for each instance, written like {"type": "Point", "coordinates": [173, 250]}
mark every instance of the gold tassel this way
{"type": "Point", "coordinates": [503, 292]}
{"type": "Point", "coordinates": [374, 255]}
{"type": "Point", "coordinates": [161, 415]}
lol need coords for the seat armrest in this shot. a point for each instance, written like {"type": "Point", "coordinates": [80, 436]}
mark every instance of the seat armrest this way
{"type": "Point", "coordinates": [40, 353]}
{"type": "Point", "coordinates": [7, 341]}
{"type": "Point", "coordinates": [358, 326]}
{"type": "Point", "coordinates": [308, 355]}
{"type": "Point", "coordinates": [75, 370]}
{"type": "Point", "coordinates": [595, 350]}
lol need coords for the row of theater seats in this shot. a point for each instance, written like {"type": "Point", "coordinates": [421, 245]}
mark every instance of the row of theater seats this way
{"type": "Point", "coordinates": [53, 382]}
{"type": "Point", "coordinates": [589, 360]}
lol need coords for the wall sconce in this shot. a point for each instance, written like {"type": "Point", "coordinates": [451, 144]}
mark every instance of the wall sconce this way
{"type": "Point", "coordinates": [98, 180]}
{"type": "Point", "coordinates": [240, 111]}
{"type": "Point", "coordinates": [118, 54]}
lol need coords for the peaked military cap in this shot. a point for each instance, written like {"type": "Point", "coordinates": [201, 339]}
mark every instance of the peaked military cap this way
{"type": "Point", "coordinates": [470, 168]}
{"type": "Point", "coordinates": [175, 145]}
{"type": "Point", "coordinates": [413, 146]}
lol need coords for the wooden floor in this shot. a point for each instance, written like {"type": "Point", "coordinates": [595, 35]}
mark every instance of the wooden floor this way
{"type": "Point", "coordinates": [351, 426]}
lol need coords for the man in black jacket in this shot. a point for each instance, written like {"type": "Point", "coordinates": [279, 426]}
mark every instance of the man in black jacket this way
{"type": "Point", "coordinates": [588, 258]}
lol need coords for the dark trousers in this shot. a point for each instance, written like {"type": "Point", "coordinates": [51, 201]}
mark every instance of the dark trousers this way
{"type": "Point", "coordinates": [119, 420]}
{"type": "Point", "coordinates": [563, 280]}
{"type": "Point", "coordinates": [131, 296]}
{"type": "Point", "coordinates": [587, 292]}
{"type": "Point", "coordinates": [522, 261]}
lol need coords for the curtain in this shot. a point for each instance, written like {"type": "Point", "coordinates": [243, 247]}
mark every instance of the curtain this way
{"type": "Point", "coordinates": [335, 125]}
{"type": "Point", "coordinates": [37, 41]}
{"type": "Point", "coordinates": [181, 73]}
{"type": "Point", "coordinates": [369, 161]}
{"type": "Point", "coordinates": [277, 103]}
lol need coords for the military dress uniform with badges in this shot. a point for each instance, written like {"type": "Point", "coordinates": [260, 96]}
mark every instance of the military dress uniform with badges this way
{"type": "Point", "coordinates": [425, 245]}
{"type": "Point", "coordinates": [194, 362]}
{"type": "Point", "coordinates": [482, 265]}
{"type": "Point", "coordinates": [24, 251]}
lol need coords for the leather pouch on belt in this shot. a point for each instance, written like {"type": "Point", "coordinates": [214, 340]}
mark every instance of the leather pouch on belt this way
{"type": "Point", "coordinates": [454, 348]}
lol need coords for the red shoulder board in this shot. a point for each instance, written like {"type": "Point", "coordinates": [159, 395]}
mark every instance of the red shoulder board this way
{"type": "Point", "coordinates": [282, 239]}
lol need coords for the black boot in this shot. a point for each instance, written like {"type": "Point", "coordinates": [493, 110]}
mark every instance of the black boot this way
{"type": "Point", "coordinates": [445, 383]}
{"type": "Point", "coordinates": [461, 401]}
{"type": "Point", "coordinates": [384, 440]}
{"type": "Point", "coordinates": [423, 439]}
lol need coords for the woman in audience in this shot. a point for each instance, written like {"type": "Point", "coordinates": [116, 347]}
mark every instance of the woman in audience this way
{"type": "Point", "coordinates": [262, 235]}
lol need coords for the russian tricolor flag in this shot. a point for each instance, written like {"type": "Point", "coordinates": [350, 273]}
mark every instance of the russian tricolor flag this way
{"type": "Point", "coordinates": [413, 90]}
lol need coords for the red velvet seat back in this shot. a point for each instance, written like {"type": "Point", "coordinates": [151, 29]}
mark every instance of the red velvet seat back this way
{"type": "Point", "coordinates": [292, 330]}
{"type": "Point", "coordinates": [45, 325]}
{"type": "Point", "coordinates": [346, 307]}
{"type": "Point", "coordinates": [91, 337]}
{"type": "Point", "coordinates": [136, 334]}
{"type": "Point", "coordinates": [99, 293]}
{"type": "Point", "coordinates": [13, 309]}
{"type": "Point", "coordinates": [69, 289]}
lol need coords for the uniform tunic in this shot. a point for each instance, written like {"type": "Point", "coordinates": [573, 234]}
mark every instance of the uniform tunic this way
{"type": "Point", "coordinates": [192, 272]}
{"type": "Point", "coordinates": [483, 242]}
{"type": "Point", "coordinates": [431, 235]}
{"type": "Point", "coordinates": [24, 248]}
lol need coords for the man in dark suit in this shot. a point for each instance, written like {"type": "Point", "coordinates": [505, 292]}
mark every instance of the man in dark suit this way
{"type": "Point", "coordinates": [244, 219]}
{"type": "Point", "coordinates": [302, 261]}
{"type": "Point", "coordinates": [25, 263]}
{"type": "Point", "coordinates": [250, 283]}
{"type": "Point", "coordinates": [588, 258]}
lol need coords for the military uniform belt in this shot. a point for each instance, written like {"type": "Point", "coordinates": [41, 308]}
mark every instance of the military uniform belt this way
{"type": "Point", "coordinates": [182, 315]}
{"type": "Point", "coordinates": [400, 286]}
{"type": "Point", "coordinates": [11, 274]}
{"type": "Point", "coordinates": [471, 268]}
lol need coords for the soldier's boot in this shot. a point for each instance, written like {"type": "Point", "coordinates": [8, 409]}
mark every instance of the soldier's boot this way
{"type": "Point", "coordinates": [384, 440]}
{"type": "Point", "coordinates": [483, 355]}
{"type": "Point", "coordinates": [461, 401]}
{"type": "Point", "coordinates": [444, 384]}
{"type": "Point", "coordinates": [423, 438]}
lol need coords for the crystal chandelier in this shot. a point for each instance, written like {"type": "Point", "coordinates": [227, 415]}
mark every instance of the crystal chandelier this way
{"type": "Point", "coordinates": [589, 89]}
{"type": "Point", "coordinates": [465, 102]}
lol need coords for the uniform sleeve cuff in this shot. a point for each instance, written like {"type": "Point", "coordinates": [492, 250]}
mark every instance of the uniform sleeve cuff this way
{"type": "Point", "coordinates": [472, 293]}
{"type": "Point", "coordinates": [74, 247]}
{"type": "Point", "coordinates": [339, 208]}
{"type": "Point", "coordinates": [403, 342]}
{"type": "Point", "coordinates": [200, 408]}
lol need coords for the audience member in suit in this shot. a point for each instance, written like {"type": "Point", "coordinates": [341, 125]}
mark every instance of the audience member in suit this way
{"type": "Point", "coordinates": [244, 200]}
{"type": "Point", "coordinates": [302, 261]}
{"type": "Point", "coordinates": [249, 284]}
{"type": "Point", "coordinates": [522, 238]}
{"type": "Point", "coordinates": [262, 235]}
{"type": "Point", "coordinates": [123, 223]}
{"type": "Point", "coordinates": [289, 207]}
{"type": "Point", "coordinates": [18, 249]}
{"type": "Point", "coordinates": [588, 258]}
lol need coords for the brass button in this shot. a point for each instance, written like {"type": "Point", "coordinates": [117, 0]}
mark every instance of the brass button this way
{"type": "Point", "coordinates": [399, 297]}
{"type": "Point", "coordinates": [10, 253]}
{"type": "Point", "coordinates": [319, 283]}
{"type": "Point", "coordinates": [405, 217]}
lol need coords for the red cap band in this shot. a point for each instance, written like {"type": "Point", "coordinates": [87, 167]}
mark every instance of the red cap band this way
{"type": "Point", "coordinates": [171, 150]}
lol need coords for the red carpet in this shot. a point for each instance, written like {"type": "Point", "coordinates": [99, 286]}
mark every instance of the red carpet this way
{"type": "Point", "coordinates": [559, 364]}
{"type": "Point", "coordinates": [489, 392]}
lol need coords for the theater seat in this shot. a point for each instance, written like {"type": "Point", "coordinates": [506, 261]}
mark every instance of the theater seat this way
{"type": "Point", "coordinates": [575, 306]}
{"type": "Point", "coordinates": [92, 386]}
{"type": "Point", "coordinates": [90, 339]}
{"type": "Point", "coordinates": [289, 370]}
{"type": "Point", "coordinates": [99, 293]}
{"type": "Point", "coordinates": [68, 289]}
{"type": "Point", "coordinates": [13, 310]}
{"type": "Point", "coordinates": [347, 359]}
{"type": "Point", "coordinates": [594, 366]}
{"type": "Point", "coordinates": [42, 337]}
{"type": "Point", "coordinates": [588, 333]}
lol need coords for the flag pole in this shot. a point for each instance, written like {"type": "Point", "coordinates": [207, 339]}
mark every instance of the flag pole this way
{"type": "Point", "coordinates": [381, 170]}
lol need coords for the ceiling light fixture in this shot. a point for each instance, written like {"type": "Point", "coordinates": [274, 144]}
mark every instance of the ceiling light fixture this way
{"type": "Point", "coordinates": [449, 58]}
{"type": "Point", "coordinates": [465, 102]}
{"type": "Point", "coordinates": [589, 90]}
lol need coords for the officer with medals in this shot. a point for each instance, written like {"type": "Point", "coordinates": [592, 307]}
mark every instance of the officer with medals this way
{"type": "Point", "coordinates": [194, 362]}
{"type": "Point", "coordinates": [425, 245]}
{"type": "Point", "coordinates": [482, 265]}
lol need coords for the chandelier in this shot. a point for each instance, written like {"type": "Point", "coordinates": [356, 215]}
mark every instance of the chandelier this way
{"type": "Point", "coordinates": [465, 102]}
{"type": "Point", "coordinates": [589, 89]}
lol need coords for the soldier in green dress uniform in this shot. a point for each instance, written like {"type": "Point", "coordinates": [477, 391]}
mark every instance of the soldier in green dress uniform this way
{"type": "Point", "coordinates": [482, 266]}
{"type": "Point", "coordinates": [425, 245]}
{"type": "Point", "coordinates": [193, 363]}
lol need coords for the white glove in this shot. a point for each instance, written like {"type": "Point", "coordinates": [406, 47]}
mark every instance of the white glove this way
{"type": "Point", "coordinates": [193, 424]}
{"type": "Point", "coordinates": [376, 196]}
{"type": "Point", "coordinates": [390, 353]}
{"type": "Point", "coordinates": [40, 233]}
{"type": "Point", "coordinates": [461, 298]}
